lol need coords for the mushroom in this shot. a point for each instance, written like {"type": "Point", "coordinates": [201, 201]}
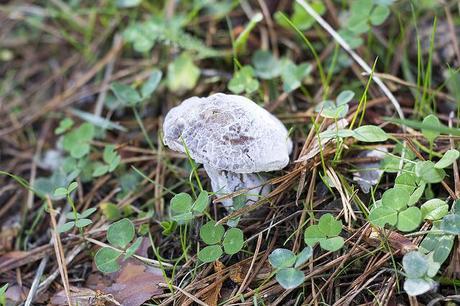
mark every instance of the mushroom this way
{"type": "Point", "coordinates": [234, 139]}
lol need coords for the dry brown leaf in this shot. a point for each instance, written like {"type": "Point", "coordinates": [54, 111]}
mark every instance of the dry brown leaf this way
{"type": "Point", "coordinates": [15, 295]}
{"type": "Point", "coordinates": [212, 296]}
{"type": "Point", "coordinates": [78, 296]}
{"type": "Point", "coordinates": [396, 241]}
{"type": "Point", "coordinates": [8, 233]}
{"type": "Point", "coordinates": [134, 284]}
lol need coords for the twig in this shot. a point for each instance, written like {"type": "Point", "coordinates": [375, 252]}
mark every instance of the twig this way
{"type": "Point", "coordinates": [190, 296]}
{"type": "Point", "coordinates": [59, 252]}
{"type": "Point", "coordinates": [34, 287]}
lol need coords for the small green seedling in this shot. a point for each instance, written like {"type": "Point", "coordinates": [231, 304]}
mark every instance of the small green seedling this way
{"type": "Point", "coordinates": [111, 161]}
{"type": "Point", "coordinates": [168, 227]}
{"type": "Point", "coordinates": [286, 265]}
{"type": "Point", "coordinates": [366, 13]}
{"type": "Point", "coordinates": [395, 210]}
{"type": "Point", "coordinates": [326, 232]}
{"type": "Point", "coordinates": [78, 220]}
{"type": "Point", "coordinates": [336, 109]}
{"type": "Point", "coordinates": [212, 235]}
{"type": "Point", "coordinates": [77, 141]}
{"type": "Point", "coordinates": [64, 125]}
{"type": "Point", "coordinates": [243, 81]}
{"type": "Point", "coordinates": [418, 280]}
{"type": "Point", "coordinates": [3, 294]}
{"type": "Point", "coordinates": [119, 235]}
{"type": "Point", "coordinates": [183, 209]}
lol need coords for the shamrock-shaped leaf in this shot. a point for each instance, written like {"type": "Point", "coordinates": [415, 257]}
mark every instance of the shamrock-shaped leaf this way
{"type": "Point", "coordinates": [326, 233]}
{"type": "Point", "coordinates": [394, 210]}
{"type": "Point", "coordinates": [77, 141]}
{"type": "Point", "coordinates": [243, 81]}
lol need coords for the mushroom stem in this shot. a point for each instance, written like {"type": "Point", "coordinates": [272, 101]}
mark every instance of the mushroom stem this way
{"type": "Point", "coordinates": [225, 182]}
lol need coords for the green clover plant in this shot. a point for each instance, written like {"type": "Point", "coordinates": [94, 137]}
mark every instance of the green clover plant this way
{"type": "Point", "coordinates": [417, 270]}
{"type": "Point", "coordinates": [111, 161]}
{"type": "Point", "coordinates": [243, 81]}
{"type": "Point", "coordinates": [77, 220]}
{"type": "Point", "coordinates": [335, 109]}
{"type": "Point", "coordinates": [119, 235]}
{"type": "Point", "coordinates": [216, 238]}
{"type": "Point", "coordinates": [326, 232]}
{"type": "Point", "coordinates": [287, 264]}
{"type": "Point", "coordinates": [184, 209]}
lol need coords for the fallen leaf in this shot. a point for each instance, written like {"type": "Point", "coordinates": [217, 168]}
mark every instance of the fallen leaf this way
{"type": "Point", "coordinates": [134, 284]}
{"type": "Point", "coordinates": [396, 241]}
{"type": "Point", "coordinates": [212, 296]}
{"type": "Point", "coordinates": [15, 295]}
{"type": "Point", "coordinates": [8, 234]}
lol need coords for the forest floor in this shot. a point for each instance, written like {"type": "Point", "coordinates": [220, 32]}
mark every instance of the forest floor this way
{"type": "Point", "coordinates": [96, 210]}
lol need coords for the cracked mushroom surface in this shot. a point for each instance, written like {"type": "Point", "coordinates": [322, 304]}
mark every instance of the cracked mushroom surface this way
{"type": "Point", "coordinates": [233, 137]}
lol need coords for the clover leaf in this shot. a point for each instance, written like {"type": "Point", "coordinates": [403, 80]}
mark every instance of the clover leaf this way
{"type": "Point", "coordinates": [287, 266]}
{"type": "Point", "coordinates": [217, 238]}
{"type": "Point", "coordinates": [394, 210]}
{"type": "Point", "coordinates": [243, 81]}
{"type": "Point", "coordinates": [416, 267]}
{"type": "Point", "coordinates": [326, 232]}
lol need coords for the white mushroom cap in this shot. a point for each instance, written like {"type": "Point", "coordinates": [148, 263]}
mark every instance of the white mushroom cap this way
{"type": "Point", "coordinates": [228, 132]}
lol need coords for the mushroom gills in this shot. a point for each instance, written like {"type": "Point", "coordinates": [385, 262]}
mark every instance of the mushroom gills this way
{"type": "Point", "coordinates": [225, 182]}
